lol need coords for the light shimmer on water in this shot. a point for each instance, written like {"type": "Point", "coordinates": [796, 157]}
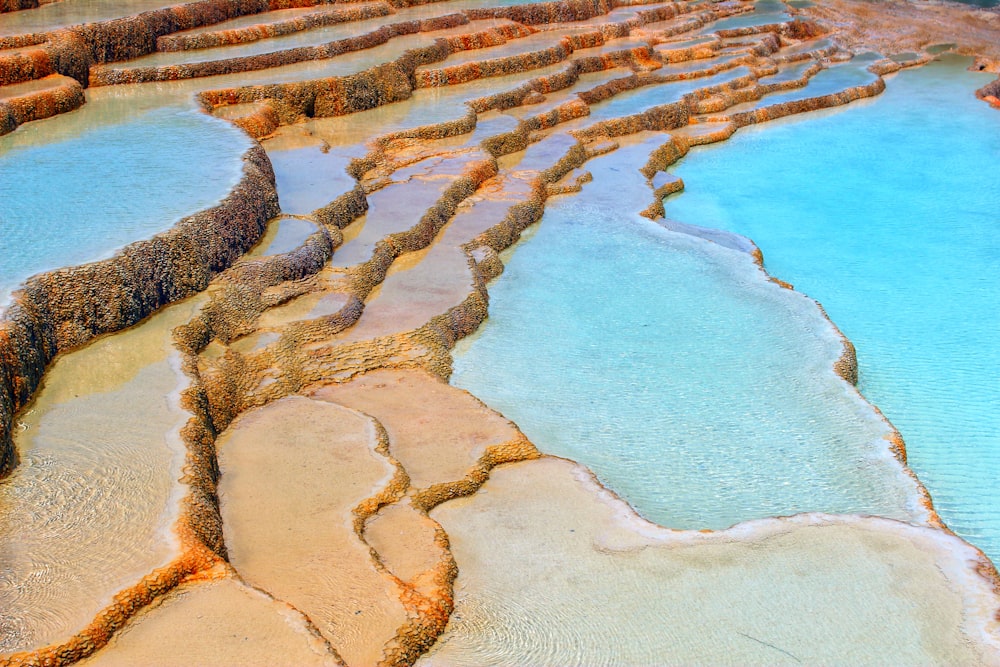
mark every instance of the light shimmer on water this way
{"type": "Point", "coordinates": [692, 386]}
{"type": "Point", "coordinates": [886, 212]}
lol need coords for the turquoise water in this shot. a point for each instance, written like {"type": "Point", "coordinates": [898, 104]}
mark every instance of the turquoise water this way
{"type": "Point", "coordinates": [79, 198]}
{"type": "Point", "coordinates": [825, 82]}
{"type": "Point", "coordinates": [765, 11]}
{"type": "Point", "coordinates": [692, 386]}
{"type": "Point", "coordinates": [640, 99]}
{"type": "Point", "coordinates": [887, 213]}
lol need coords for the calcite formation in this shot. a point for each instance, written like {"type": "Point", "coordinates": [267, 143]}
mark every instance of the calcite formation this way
{"type": "Point", "coordinates": [35, 100]}
{"type": "Point", "coordinates": [334, 356]}
{"type": "Point", "coordinates": [60, 310]}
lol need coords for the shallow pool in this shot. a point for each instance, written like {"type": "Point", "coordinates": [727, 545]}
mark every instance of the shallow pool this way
{"type": "Point", "coordinates": [886, 212]}
{"type": "Point", "coordinates": [80, 197]}
{"type": "Point", "coordinates": [692, 386]}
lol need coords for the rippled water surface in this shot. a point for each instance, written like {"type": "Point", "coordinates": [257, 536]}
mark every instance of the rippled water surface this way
{"type": "Point", "coordinates": [693, 387]}
{"type": "Point", "coordinates": [887, 213]}
{"type": "Point", "coordinates": [109, 185]}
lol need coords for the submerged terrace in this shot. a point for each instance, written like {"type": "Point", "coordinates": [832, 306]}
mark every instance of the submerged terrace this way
{"type": "Point", "coordinates": [241, 241]}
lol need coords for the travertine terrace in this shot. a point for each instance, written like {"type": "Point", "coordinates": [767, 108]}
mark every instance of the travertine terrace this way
{"type": "Point", "coordinates": [319, 486]}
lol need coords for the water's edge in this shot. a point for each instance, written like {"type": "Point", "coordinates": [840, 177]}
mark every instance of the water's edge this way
{"type": "Point", "coordinates": [63, 309]}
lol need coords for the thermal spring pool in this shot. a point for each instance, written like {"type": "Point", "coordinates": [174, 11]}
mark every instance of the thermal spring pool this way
{"type": "Point", "coordinates": [901, 248]}
{"type": "Point", "coordinates": [692, 386]}
{"type": "Point", "coordinates": [269, 397]}
{"type": "Point", "coordinates": [131, 179]}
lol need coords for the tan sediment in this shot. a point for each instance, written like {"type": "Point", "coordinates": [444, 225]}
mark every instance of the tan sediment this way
{"type": "Point", "coordinates": [58, 311]}
{"type": "Point", "coordinates": [290, 102]}
{"type": "Point", "coordinates": [133, 36]}
{"type": "Point", "coordinates": [382, 84]}
{"type": "Point", "coordinates": [467, 487]}
{"type": "Point", "coordinates": [216, 622]}
{"type": "Point", "coordinates": [115, 616]}
{"type": "Point", "coordinates": [897, 26]}
{"type": "Point", "coordinates": [900, 27]}
{"type": "Point", "coordinates": [409, 544]}
{"type": "Point", "coordinates": [276, 28]}
{"type": "Point", "coordinates": [104, 75]}
{"type": "Point", "coordinates": [82, 426]}
{"type": "Point", "coordinates": [253, 304]}
{"type": "Point", "coordinates": [63, 309]}
{"type": "Point", "coordinates": [390, 82]}
{"type": "Point", "coordinates": [188, 520]}
{"type": "Point", "coordinates": [292, 360]}
{"type": "Point", "coordinates": [484, 67]}
{"type": "Point", "coordinates": [72, 50]}
{"type": "Point", "coordinates": [447, 442]}
{"type": "Point", "coordinates": [429, 610]}
{"type": "Point", "coordinates": [438, 433]}
{"type": "Point", "coordinates": [291, 474]}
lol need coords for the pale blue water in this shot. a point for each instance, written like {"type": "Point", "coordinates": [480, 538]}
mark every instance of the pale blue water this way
{"type": "Point", "coordinates": [765, 11]}
{"type": "Point", "coordinates": [825, 82]}
{"type": "Point", "coordinates": [640, 99]}
{"type": "Point", "coordinates": [888, 213]}
{"type": "Point", "coordinates": [79, 198]}
{"type": "Point", "coordinates": [694, 388]}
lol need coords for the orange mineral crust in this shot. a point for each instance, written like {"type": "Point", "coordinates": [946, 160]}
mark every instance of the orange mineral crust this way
{"type": "Point", "coordinates": [317, 492]}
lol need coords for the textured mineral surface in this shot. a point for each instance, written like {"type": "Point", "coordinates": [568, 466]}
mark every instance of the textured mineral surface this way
{"type": "Point", "coordinates": [235, 442]}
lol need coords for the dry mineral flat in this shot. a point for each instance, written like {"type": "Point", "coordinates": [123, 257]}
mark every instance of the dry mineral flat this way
{"type": "Point", "coordinates": [217, 623]}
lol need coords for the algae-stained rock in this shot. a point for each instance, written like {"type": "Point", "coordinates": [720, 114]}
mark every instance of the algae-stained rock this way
{"type": "Point", "coordinates": [216, 623]}
{"type": "Point", "coordinates": [66, 308]}
{"type": "Point", "coordinates": [35, 100]}
{"type": "Point", "coordinates": [292, 474]}
{"type": "Point", "coordinates": [555, 570]}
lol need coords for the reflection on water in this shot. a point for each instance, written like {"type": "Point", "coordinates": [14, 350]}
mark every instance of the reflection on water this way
{"type": "Point", "coordinates": [74, 12]}
{"type": "Point", "coordinates": [283, 235]}
{"type": "Point", "coordinates": [553, 574]}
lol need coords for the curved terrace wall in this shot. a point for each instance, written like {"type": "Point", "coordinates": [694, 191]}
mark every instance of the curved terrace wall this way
{"type": "Point", "coordinates": [64, 95]}
{"type": "Point", "coordinates": [73, 50]}
{"type": "Point", "coordinates": [63, 309]}
{"type": "Point", "coordinates": [59, 310]}
{"type": "Point", "coordinates": [990, 93]}
{"type": "Point", "coordinates": [253, 33]}
{"type": "Point", "coordinates": [17, 5]}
